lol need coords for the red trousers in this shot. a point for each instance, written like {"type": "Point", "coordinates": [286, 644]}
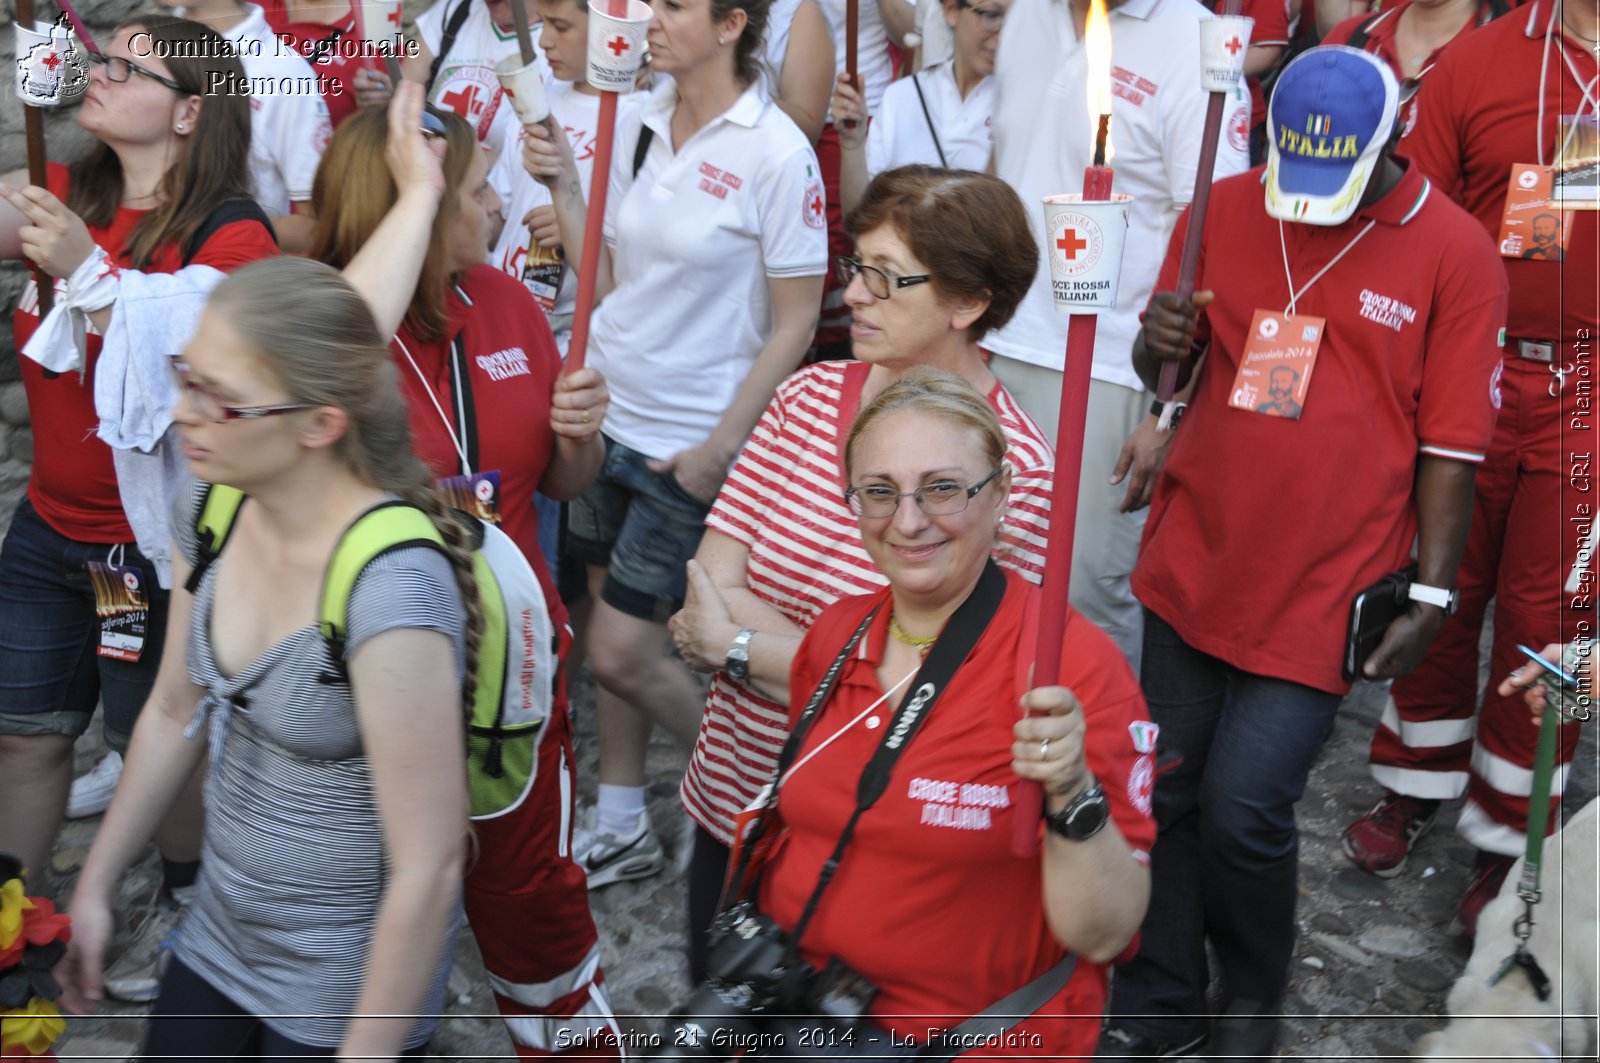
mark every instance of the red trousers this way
{"type": "Point", "coordinates": [528, 904]}
{"type": "Point", "coordinates": [1534, 506]}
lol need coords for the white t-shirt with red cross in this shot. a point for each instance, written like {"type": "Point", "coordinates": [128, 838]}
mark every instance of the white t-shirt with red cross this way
{"type": "Point", "coordinates": [695, 240]}
{"type": "Point", "coordinates": [1043, 140]}
{"type": "Point", "coordinates": [579, 115]}
{"type": "Point", "coordinates": [466, 83]}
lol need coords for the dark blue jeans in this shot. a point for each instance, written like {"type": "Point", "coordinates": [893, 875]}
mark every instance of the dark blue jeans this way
{"type": "Point", "coordinates": [1225, 860]}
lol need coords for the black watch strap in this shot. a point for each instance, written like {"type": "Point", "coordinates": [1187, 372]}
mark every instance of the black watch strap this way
{"type": "Point", "coordinates": [1083, 817]}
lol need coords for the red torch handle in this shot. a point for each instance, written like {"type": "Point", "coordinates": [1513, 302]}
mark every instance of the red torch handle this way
{"type": "Point", "coordinates": [1199, 203]}
{"type": "Point", "coordinates": [1074, 409]}
{"type": "Point", "coordinates": [33, 134]}
{"type": "Point", "coordinates": [594, 221]}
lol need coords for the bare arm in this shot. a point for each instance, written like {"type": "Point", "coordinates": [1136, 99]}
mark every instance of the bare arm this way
{"type": "Point", "coordinates": [700, 470]}
{"type": "Point", "coordinates": [1444, 511]}
{"type": "Point", "coordinates": [1261, 58]}
{"type": "Point", "coordinates": [719, 605]}
{"type": "Point", "coordinates": [850, 119]}
{"type": "Point", "coordinates": [899, 19]}
{"type": "Point", "coordinates": [386, 269]}
{"type": "Point", "coordinates": [1332, 12]}
{"type": "Point", "coordinates": [294, 228]}
{"type": "Point", "coordinates": [807, 72]}
{"type": "Point", "coordinates": [407, 697]}
{"type": "Point", "coordinates": [547, 156]}
{"type": "Point", "coordinates": [577, 410]}
{"type": "Point", "coordinates": [159, 763]}
{"type": "Point", "coordinates": [1095, 892]}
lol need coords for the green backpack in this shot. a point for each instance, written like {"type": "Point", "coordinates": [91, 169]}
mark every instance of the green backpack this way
{"type": "Point", "coordinates": [517, 659]}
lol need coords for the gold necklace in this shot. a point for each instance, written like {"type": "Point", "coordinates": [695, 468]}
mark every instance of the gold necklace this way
{"type": "Point", "coordinates": [921, 643]}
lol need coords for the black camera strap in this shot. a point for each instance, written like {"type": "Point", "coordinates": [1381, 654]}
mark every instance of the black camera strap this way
{"type": "Point", "coordinates": [956, 641]}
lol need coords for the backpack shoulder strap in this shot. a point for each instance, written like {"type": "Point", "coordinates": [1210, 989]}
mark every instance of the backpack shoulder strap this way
{"type": "Point", "coordinates": [219, 506]}
{"type": "Point", "coordinates": [226, 212]}
{"type": "Point", "coordinates": [447, 40]}
{"type": "Point", "coordinates": [385, 527]}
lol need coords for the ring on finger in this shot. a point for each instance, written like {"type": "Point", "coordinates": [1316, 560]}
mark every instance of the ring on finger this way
{"type": "Point", "coordinates": [585, 416]}
{"type": "Point", "coordinates": [1044, 749]}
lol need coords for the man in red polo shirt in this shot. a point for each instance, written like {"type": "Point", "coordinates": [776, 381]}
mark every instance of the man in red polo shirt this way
{"type": "Point", "coordinates": [1385, 297]}
{"type": "Point", "coordinates": [1488, 138]}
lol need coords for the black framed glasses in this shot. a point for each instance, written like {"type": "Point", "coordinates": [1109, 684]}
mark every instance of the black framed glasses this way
{"type": "Point", "coordinates": [212, 407]}
{"type": "Point", "coordinates": [118, 70]}
{"type": "Point", "coordinates": [991, 18]}
{"type": "Point", "coordinates": [941, 498]}
{"type": "Point", "coordinates": [879, 282]}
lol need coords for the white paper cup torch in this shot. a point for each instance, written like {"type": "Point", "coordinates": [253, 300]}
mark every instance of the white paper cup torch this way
{"type": "Point", "coordinates": [52, 67]}
{"type": "Point", "coordinates": [380, 22]}
{"type": "Point", "coordinates": [524, 87]}
{"type": "Point", "coordinates": [1084, 240]}
{"type": "Point", "coordinates": [616, 45]}
{"type": "Point", "coordinates": [1224, 40]}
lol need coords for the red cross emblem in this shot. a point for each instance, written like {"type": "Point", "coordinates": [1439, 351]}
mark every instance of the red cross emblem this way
{"type": "Point", "coordinates": [618, 46]}
{"type": "Point", "coordinates": [816, 204]}
{"type": "Point", "coordinates": [463, 101]}
{"type": "Point", "coordinates": [1071, 243]}
{"type": "Point", "coordinates": [394, 18]}
{"type": "Point", "coordinates": [50, 61]}
{"type": "Point", "coordinates": [1234, 45]}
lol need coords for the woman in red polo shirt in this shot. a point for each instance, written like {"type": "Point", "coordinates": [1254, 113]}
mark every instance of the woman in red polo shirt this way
{"type": "Point", "coordinates": [489, 410]}
{"type": "Point", "coordinates": [927, 902]}
{"type": "Point", "coordinates": [151, 197]}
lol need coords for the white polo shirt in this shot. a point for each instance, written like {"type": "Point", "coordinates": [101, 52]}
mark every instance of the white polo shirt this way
{"type": "Point", "coordinates": [1043, 141]}
{"type": "Point", "coordinates": [289, 126]}
{"type": "Point", "coordinates": [899, 134]}
{"type": "Point", "coordinates": [579, 115]}
{"type": "Point", "coordinates": [873, 63]}
{"type": "Point", "coordinates": [694, 241]}
{"type": "Point", "coordinates": [466, 83]}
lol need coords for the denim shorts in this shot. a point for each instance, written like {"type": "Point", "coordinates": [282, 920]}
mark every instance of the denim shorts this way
{"type": "Point", "coordinates": [643, 527]}
{"type": "Point", "coordinates": [51, 676]}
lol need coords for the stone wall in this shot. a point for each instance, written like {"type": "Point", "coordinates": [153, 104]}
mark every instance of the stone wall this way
{"type": "Point", "coordinates": [63, 141]}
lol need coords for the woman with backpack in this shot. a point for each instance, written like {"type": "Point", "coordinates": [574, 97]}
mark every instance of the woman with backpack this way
{"type": "Point", "coordinates": [139, 227]}
{"type": "Point", "coordinates": [495, 421]}
{"type": "Point", "coordinates": [337, 808]}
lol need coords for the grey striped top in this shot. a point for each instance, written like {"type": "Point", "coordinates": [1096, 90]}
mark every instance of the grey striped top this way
{"type": "Point", "coordinates": [293, 865]}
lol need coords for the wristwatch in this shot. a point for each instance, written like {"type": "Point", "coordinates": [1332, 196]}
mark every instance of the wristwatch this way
{"type": "Point", "coordinates": [1083, 816]}
{"type": "Point", "coordinates": [1446, 598]}
{"type": "Point", "coordinates": [737, 663]}
{"type": "Point", "coordinates": [1157, 407]}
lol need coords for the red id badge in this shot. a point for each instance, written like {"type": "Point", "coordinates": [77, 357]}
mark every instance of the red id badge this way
{"type": "Point", "coordinates": [478, 494]}
{"type": "Point", "coordinates": [756, 828]}
{"type": "Point", "coordinates": [1275, 366]}
{"type": "Point", "coordinates": [123, 606]}
{"type": "Point", "coordinates": [1530, 227]}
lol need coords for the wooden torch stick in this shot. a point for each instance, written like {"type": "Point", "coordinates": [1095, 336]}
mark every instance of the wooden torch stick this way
{"type": "Point", "coordinates": [1199, 203]}
{"type": "Point", "coordinates": [594, 220]}
{"type": "Point", "coordinates": [33, 128]}
{"type": "Point", "coordinates": [519, 13]}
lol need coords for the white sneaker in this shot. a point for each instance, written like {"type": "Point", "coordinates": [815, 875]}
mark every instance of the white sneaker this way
{"type": "Point", "coordinates": [91, 791]}
{"type": "Point", "coordinates": [607, 858]}
{"type": "Point", "coordinates": [137, 974]}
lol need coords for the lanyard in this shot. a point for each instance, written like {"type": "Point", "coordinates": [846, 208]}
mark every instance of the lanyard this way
{"type": "Point", "coordinates": [460, 428]}
{"type": "Point", "coordinates": [825, 743]}
{"type": "Point", "coordinates": [1586, 87]}
{"type": "Point", "coordinates": [1294, 296]}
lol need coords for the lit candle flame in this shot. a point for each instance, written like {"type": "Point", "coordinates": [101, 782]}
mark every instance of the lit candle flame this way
{"type": "Point", "coordinates": [1097, 50]}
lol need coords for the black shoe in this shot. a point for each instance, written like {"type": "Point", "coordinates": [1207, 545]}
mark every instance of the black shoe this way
{"type": "Point", "coordinates": [1118, 1043]}
{"type": "Point", "coordinates": [1241, 1036]}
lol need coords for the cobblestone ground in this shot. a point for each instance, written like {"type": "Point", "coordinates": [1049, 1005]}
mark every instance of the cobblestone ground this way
{"type": "Point", "coordinates": [1374, 962]}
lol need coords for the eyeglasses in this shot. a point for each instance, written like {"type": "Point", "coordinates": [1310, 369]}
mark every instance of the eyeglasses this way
{"type": "Point", "coordinates": [992, 18]}
{"type": "Point", "coordinates": [209, 406]}
{"type": "Point", "coordinates": [879, 282]}
{"type": "Point", "coordinates": [942, 498]}
{"type": "Point", "coordinates": [118, 69]}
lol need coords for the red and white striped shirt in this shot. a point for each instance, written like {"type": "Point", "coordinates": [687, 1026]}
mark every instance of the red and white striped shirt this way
{"type": "Point", "coordinates": [784, 499]}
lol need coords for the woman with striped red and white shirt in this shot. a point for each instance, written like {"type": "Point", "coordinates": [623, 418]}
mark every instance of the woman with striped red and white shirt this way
{"type": "Point", "coordinates": [944, 257]}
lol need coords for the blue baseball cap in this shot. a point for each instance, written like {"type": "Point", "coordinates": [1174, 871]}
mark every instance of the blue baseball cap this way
{"type": "Point", "coordinates": [1331, 114]}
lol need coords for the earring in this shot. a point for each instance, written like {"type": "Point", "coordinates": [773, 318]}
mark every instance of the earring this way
{"type": "Point", "coordinates": [182, 128]}
{"type": "Point", "coordinates": [721, 39]}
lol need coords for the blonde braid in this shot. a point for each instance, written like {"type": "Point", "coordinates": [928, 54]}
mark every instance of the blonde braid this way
{"type": "Point", "coordinates": [458, 545]}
